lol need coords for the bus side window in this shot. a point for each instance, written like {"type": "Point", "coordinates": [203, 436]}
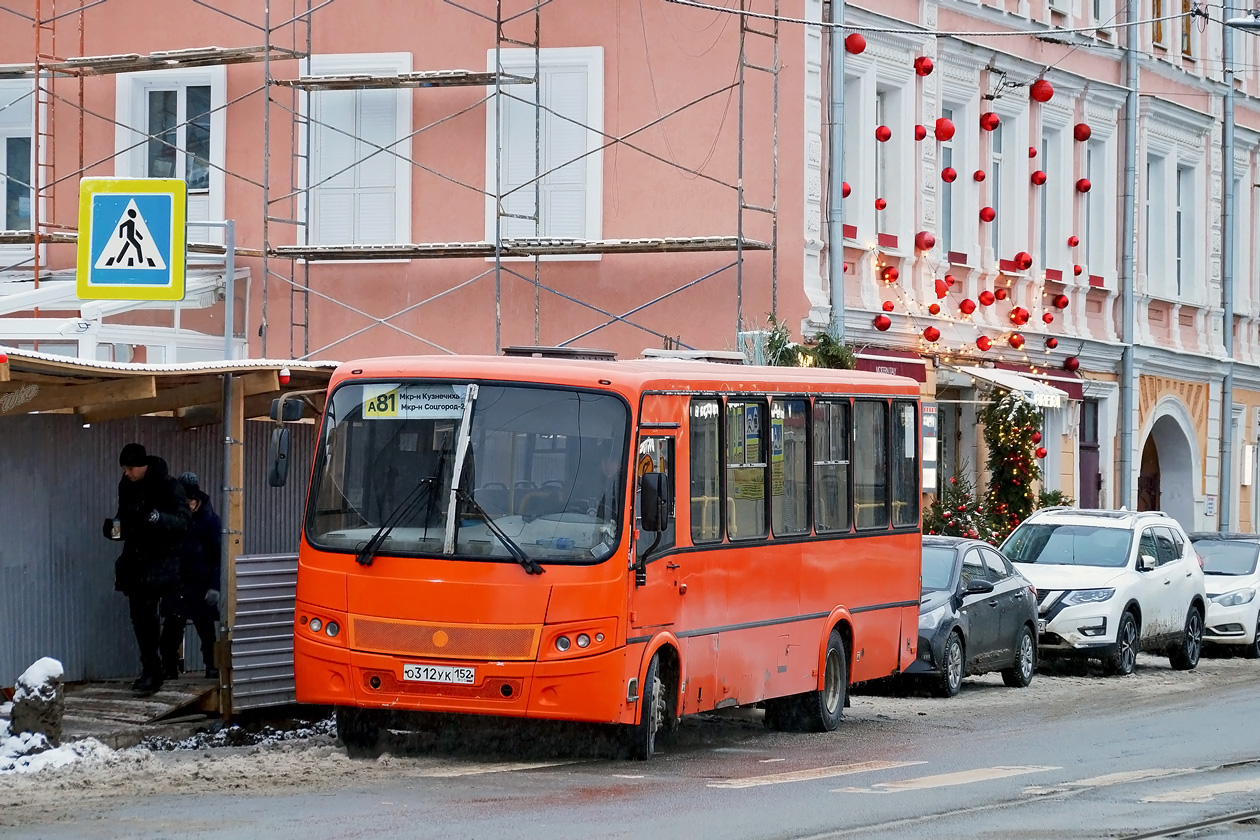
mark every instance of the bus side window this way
{"type": "Point", "coordinates": [831, 466]}
{"type": "Point", "coordinates": [789, 473]}
{"type": "Point", "coordinates": [706, 493]}
{"type": "Point", "coordinates": [905, 465]}
{"type": "Point", "coordinates": [870, 463]}
{"type": "Point", "coordinates": [746, 462]}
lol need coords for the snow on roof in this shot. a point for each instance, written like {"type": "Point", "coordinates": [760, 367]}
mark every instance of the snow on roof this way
{"type": "Point", "coordinates": [176, 367]}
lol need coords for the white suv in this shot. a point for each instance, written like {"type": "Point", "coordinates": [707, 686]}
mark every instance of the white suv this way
{"type": "Point", "coordinates": [1110, 583]}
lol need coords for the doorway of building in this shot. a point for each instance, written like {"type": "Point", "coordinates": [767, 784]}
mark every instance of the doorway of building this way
{"type": "Point", "coordinates": [1166, 478]}
{"type": "Point", "coordinates": [1087, 459]}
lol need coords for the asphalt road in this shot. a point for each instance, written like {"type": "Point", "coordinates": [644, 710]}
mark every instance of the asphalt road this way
{"type": "Point", "coordinates": [1075, 755]}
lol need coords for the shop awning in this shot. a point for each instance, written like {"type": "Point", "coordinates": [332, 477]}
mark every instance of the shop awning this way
{"type": "Point", "coordinates": [1039, 393]}
{"type": "Point", "coordinates": [895, 362]}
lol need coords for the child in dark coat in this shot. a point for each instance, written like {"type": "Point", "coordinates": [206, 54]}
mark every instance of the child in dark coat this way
{"type": "Point", "coordinates": [200, 568]}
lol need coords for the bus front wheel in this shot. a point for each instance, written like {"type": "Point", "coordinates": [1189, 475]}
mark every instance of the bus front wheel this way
{"type": "Point", "coordinates": [654, 714]}
{"type": "Point", "coordinates": [359, 730]}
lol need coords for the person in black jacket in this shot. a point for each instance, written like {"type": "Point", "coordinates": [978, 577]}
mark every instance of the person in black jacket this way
{"type": "Point", "coordinates": [152, 516]}
{"type": "Point", "coordinates": [200, 567]}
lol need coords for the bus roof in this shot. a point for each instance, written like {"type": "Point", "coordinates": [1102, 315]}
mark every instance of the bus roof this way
{"type": "Point", "coordinates": [631, 375]}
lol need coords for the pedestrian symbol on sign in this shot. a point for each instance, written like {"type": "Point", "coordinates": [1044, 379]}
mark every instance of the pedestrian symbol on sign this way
{"type": "Point", "coordinates": [131, 245]}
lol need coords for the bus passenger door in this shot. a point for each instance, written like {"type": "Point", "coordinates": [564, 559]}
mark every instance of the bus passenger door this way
{"type": "Point", "coordinates": [654, 586]}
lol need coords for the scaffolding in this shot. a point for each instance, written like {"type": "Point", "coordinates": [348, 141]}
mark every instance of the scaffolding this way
{"type": "Point", "coordinates": [287, 253]}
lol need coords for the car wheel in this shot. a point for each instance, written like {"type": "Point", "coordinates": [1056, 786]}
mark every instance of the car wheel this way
{"type": "Point", "coordinates": [1253, 650]}
{"type": "Point", "coordinates": [1185, 654]}
{"type": "Point", "coordinates": [1123, 657]}
{"type": "Point", "coordinates": [952, 667]}
{"type": "Point", "coordinates": [1020, 674]}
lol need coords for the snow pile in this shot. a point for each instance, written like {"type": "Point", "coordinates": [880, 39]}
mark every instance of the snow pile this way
{"type": "Point", "coordinates": [237, 736]}
{"type": "Point", "coordinates": [29, 752]}
{"type": "Point", "coordinates": [39, 681]}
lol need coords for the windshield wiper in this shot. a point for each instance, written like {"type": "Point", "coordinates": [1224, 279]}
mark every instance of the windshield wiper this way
{"type": "Point", "coordinates": [528, 563]}
{"type": "Point", "coordinates": [404, 509]}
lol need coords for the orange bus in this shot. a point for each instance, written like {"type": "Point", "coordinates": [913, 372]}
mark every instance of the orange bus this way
{"type": "Point", "coordinates": [500, 536]}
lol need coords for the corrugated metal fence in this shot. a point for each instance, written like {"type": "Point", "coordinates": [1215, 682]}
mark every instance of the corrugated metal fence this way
{"type": "Point", "coordinates": [58, 482]}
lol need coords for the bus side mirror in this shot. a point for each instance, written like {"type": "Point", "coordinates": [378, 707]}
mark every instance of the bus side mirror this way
{"type": "Point", "coordinates": [286, 410]}
{"type": "Point", "coordinates": [653, 501]}
{"type": "Point", "coordinates": [278, 455]}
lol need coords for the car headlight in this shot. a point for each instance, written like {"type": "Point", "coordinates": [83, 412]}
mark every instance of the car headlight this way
{"type": "Point", "coordinates": [1088, 596]}
{"type": "Point", "coordinates": [930, 619]}
{"type": "Point", "coordinates": [1236, 598]}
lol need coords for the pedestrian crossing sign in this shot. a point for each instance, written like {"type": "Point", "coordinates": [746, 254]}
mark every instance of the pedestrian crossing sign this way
{"type": "Point", "coordinates": [131, 238]}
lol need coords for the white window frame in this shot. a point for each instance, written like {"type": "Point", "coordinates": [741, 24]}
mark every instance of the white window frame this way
{"type": "Point", "coordinates": [18, 120]}
{"type": "Point", "coordinates": [523, 62]}
{"type": "Point", "coordinates": [379, 64]}
{"type": "Point", "coordinates": [966, 194]}
{"type": "Point", "coordinates": [1059, 187]}
{"type": "Point", "coordinates": [949, 199]}
{"type": "Point", "coordinates": [1011, 183]}
{"type": "Point", "coordinates": [131, 135]}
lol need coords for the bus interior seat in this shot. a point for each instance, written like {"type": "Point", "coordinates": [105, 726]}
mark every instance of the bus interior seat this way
{"type": "Point", "coordinates": [537, 503]}
{"type": "Point", "coordinates": [493, 496]}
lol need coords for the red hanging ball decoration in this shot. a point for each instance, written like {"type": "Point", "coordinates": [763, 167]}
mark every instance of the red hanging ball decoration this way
{"type": "Point", "coordinates": [1081, 132]}
{"type": "Point", "coordinates": [944, 129]}
{"type": "Point", "coordinates": [1083, 185]}
{"type": "Point", "coordinates": [1047, 318]}
{"type": "Point", "coordinates": [1077, 270]}
{"type": "Point", "coordinates": [1016, 340]}
{"type": "Point", "coordinates": [882, 323]}
{"type": "Point", "coordinates": [989, 120]}
{"type": "Point", "coordinates": [4, 358]}
{"type": "Point", "coordinates": [888, 306]}
{"type": "Point", "coordinates": [1052, 343]}
{"type": "Point", "coordinates": [1060, 301]}
{"type": "Point", "coordinates": [942, 288]}
{"type": "Point", "coordinates": [1032, 152]}
{"type": "Point", "coordinates": [1071, 364]}
{"type": "Point", "coordinates": [1019, 316]}
{"type": "Point", "coordinates": [1024, 260]}
{"type": "Point", "coordinates": [845, 189]}
{"type": "Point", "coordinates": [1000, 294]}
{"type": "Point", "coordinates": [1041, 91]}
{"type": "Point", "coordinates": [978, 175]}
{"type": "Point", "coordinates": [1073, 241]}
{"type": "Point", "coordinates": [855, 44]}
{"type": "Point", "coordinates": [920, 132]}
{"type": "Point", "coordinates": [949, 174]}
{"type": "Point", "coordinates": [1041, 452]}
{"type": "Point", "coordinates": [1039, 177]}
{"type": "Point", "coordinates": [986, 298]}
{"type": "Point", "coordinates": [924, 240]}
{"type": "Point", "coordinates": [934, 309]}
{"type": "Point", "coordinates": [983, 343]}
{"type": "Point", "coordinates": [883, 133]}
{"type": "Point", "coordinates": [891, 274]}
{"type": "Point", "coordinates": [1036, 437]}
{"type": "Point", "coordinates": [931, 333]}
{"type": "Point", "coordinates": [880, 204]}
{"type": "Point", "coordinates": [987, 214]}
{"type": "Point", "coordinates": [923, 65]}
{"type": "Point", "coordinates": [967, 306]}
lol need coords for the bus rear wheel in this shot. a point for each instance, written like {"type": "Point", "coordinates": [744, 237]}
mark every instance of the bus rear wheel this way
{"type": "Point", "coordinates": [815, 711]}
{"type": "Point", "coordinates": [359, 730]}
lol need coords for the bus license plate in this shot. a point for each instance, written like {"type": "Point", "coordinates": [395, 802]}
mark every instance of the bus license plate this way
{"type": "Point", "coordinates": [454, 674]}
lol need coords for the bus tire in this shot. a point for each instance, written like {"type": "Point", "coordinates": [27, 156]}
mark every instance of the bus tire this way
{"type": "Point", "coordinates": [359, 730]}
{"type": "Point", "coordinates": [823, 709]}
{"type": "Point", "coordinates": [654, 714]}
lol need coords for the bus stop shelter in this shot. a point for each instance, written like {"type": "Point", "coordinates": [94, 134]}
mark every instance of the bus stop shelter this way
{"type": "Point", "coordinates": [63, 422]}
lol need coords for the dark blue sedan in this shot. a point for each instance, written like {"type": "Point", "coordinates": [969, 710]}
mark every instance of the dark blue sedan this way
{"type": "Point", "coordinates": [977, 614]}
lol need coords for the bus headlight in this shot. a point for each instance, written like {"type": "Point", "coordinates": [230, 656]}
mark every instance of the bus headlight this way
{"type": "Point", "coordinates": [332, 629]}
{"type": "Point", "coordinates": [583, 640]}
{"type": "Point", "coordinates": [316, 624]}
{"type": "Point", "coordinates": [562, 643]}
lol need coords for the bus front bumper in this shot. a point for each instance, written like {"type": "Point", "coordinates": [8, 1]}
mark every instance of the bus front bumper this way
{"type": "Point", "coordinates": [589, 688]}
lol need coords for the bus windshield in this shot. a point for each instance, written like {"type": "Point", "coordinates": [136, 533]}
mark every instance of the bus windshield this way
{"type": "Point", "coordinates": [546, 466]}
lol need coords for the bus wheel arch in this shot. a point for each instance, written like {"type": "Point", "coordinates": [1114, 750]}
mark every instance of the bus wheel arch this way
{"type": "Point", "coordinates": [840, 621]}
{"type": "Point", "coordinates": [658, 704]}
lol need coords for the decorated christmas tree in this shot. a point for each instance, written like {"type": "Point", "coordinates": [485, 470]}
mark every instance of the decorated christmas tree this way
{"type": "Point", "coordinates": [958, 511]}
{"type": "Point", "coordinates": [1012, 426]}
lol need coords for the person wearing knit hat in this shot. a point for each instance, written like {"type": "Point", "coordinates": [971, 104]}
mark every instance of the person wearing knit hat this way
{"type": "Point", "coordinates": [200, 568]}
{"type": "Point", "coordinates": [151, 517]}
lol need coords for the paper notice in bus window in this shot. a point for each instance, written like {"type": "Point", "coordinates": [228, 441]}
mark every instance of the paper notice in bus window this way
{"type": "Point", "coordinates": [421, 402]}
{"type": "Point", "coordinates": [908, 429]}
